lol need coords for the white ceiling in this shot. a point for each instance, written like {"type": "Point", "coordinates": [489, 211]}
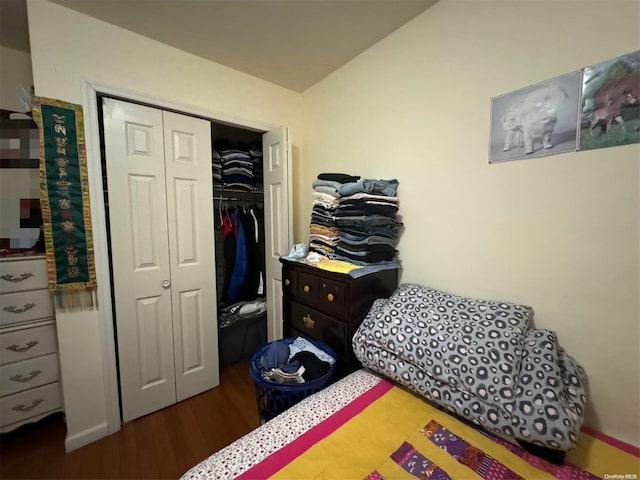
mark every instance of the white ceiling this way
{"type": "Point", "coordinates": [292, 43]}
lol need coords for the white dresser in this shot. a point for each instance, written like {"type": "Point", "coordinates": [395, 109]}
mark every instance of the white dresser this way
{"type": "Point", "coordinates": [29, 366]}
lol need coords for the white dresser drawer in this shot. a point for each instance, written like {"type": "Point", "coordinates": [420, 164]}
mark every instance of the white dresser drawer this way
{"type": "Point", "coordinates": [25, 306]}
{"type": "Point", "coordinates": [27, 343]}
{"type": "Point", "coordinates": [31, 373]}
{"type": "Point", "coordinates": [30, 403]}
{"type": "Point", "coordinates": [20, 274]}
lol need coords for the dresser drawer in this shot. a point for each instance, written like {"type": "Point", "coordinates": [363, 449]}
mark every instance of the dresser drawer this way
{"type": "Point", "coordinates": [30, 403]}
{"type": "Point", "coordinates": [315, 324]}
{"type": "Point", "coordinates": [27, 343]}
{"type": "Point", "coordinates": [307, 291]}
{"type": "Point", "coordinates": [25, 306]}
{"type": "Point", "coordinates": [31, 373]}
{"type": "Point", "coordinates": [23, 274]}
{"type": "Point", "coordinates": [290, 283]}
{"type": "Point", "coordinates": [332, 298]}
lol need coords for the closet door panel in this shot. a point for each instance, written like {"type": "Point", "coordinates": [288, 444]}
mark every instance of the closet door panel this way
{"type": "Point", "coordinates": [186, 222]}
{"type": "Point", "coordinates": [140, 256]}
{"type": "Point", "coordinates": [276, 150]}
{"type": "Point", "coordinates": [149, 313]}
{"type": "Point", "coordinates": [190, 219]}
{"type": "Point", "coordinates": [191, 328]}
{"type": "Point", "coordinates": [144, 232]}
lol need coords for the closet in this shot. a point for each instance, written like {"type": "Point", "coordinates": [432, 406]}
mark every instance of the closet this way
{"type": "Point", "coordinates": [240, 242]}
{"type": "Point", "coordinates": [161, 208]}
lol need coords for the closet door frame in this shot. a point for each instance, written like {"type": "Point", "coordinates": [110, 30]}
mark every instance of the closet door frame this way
{"type": "Point", "coordinates": [90, 92]}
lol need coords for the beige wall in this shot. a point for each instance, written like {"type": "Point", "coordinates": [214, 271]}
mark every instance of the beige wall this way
{"type": "Point", "coordinates": [15, 73]}
{"type": "Point", "coordinates": [559, 233]}
{"type": "Point", "coordinates": [67, 47]}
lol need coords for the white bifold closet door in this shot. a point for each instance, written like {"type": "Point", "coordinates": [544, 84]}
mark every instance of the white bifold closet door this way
{"type": "Point", "coordinates": [161, 225]}
{"type": "Point", "coordinates": [278, 215]}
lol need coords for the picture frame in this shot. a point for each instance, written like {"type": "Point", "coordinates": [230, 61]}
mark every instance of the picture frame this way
{"type": "Point", "coordinates": [536, 121]}
{"type": "Point", "coordinates": [610, 114]}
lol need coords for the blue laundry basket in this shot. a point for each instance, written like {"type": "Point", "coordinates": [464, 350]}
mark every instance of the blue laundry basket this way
{"type": "Point", "coordinates": [274, 398]}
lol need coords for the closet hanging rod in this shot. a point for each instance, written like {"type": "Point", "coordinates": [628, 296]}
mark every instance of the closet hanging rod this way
{"type": "Point", "coordinates": [255, 195]}
{"type": "Point", "coordinates": [238, 199]}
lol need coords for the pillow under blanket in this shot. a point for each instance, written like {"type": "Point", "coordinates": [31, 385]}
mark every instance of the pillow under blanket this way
{"type": "Point", "coordinates": [471, 356]}
{"type": "Point", "coordinates": [472, 345]}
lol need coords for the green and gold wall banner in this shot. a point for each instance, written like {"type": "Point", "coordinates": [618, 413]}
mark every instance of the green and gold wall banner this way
{"type": "Point", "coordinates": [64, 200]}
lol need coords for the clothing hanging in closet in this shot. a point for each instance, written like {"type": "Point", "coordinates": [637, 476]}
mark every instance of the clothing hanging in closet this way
{"type": "Point", "coordinates": [242, 231]}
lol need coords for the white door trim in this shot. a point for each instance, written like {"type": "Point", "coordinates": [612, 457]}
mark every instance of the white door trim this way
{"type": "Point", "coordinates": [90, 90]}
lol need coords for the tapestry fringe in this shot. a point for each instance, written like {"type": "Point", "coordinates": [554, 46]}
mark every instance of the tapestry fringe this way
{"type": "Point", "coordinates": [76, 299]}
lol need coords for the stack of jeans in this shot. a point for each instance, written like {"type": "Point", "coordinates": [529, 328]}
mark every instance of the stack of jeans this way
{"type": "Point", "coordinates": [355, 220]}
{"type": "Point", "coordinates": [367, 221]}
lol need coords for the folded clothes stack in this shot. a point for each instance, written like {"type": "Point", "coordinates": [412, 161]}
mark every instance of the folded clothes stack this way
{"type": "Point", "coordinates": [237, 169]}
{"type": "Point", "coordinates": [355, 220]}
{"type": "Point", "coordinates": [237, 166]}
{"type": "Point", "coordinates": [298, 362]}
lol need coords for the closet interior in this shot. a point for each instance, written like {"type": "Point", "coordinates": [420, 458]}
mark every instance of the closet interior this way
{"type": "Point", "coordinates": [239, 240]}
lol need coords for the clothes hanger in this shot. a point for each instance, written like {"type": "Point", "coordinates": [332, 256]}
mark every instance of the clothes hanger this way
{"type": "Point", "coordinates": [220, 209]}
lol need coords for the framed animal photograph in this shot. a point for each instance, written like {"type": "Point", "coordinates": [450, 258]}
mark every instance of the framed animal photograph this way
{"type": "Point", "coordinates": [611, 103]}
{"type": "Point", "coordinates": [536, 121]}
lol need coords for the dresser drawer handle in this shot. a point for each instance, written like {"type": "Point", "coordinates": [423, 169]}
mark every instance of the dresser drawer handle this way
{"type": "Point", "coordinates": [306, 289]}
{"type": "Point", "coordinates": [330, 297]}
{"type": "Point", "coordinates": [24, 408]}
{"type": "Point", "coordinates": [22, 379]}
{"type": "Point", "coordinates": [14, 309]}
{"type": "Point", "coordinates": [308, 321]}
{"type": "Point", "coordinates": [11, 278]}
{"type": "Point", "coordinates": [287, 282]}
{"type": "Point", "coordinates": [19, 349]}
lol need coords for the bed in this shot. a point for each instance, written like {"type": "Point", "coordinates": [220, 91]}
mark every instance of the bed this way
{"type": "Point", "coordinates": [366, 426]}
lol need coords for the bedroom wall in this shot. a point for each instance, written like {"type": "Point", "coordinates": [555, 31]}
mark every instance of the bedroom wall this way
{"type": "Point", "coordinates": [15, 73]}
{"type": "Point", "coordinates": [67, 47]}
{"type": "Point", "coordinates": [559, 233]}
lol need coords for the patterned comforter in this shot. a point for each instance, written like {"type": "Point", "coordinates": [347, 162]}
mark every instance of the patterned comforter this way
{"type": "Point", "coordinates": [480, 359]}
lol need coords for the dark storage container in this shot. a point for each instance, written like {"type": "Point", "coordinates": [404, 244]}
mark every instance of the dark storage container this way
{"type": "Point", "coordinates": [242, 338]}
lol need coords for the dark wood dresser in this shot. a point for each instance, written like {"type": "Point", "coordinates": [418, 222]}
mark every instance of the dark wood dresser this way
{"type": "Point", "coordinates": [329, 306]}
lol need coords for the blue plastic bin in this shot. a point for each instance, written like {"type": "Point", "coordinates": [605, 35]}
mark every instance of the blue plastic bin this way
{"type": "Point", "coordinates": [274, 398]}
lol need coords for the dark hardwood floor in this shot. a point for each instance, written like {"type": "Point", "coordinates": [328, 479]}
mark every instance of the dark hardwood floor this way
{"type": "Point", "coordinates": [163, 444]}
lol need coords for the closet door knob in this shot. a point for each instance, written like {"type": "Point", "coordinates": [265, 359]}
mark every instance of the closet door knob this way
{"type": "Point", "coordinates": [166, 284]}
{"type": "Point", "coordinates": [330, 297]}
{"type": "Point", "coordinates": [306, 289]}
{"type": "Point", "coordinates": [287, 282]}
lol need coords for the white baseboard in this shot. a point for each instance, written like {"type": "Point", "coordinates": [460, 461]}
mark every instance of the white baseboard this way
{"type": "Point", "coordinates": [73, 442]}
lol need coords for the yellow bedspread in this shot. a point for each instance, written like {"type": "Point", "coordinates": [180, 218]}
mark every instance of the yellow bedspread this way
{"type": "Point", "coordinates": [364, 444]}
